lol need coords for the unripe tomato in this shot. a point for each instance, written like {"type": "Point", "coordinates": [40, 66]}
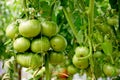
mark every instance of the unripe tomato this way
{"type": "Point", "coordinates": [30, 28]}
{"type": "Point", "coordinates": [21, 44]}
{"type": "Point", "coordinates": [72, 70]}
{"type": "Point", "coordinates": [98, 54]}
{"type": "Point", "coordinates": [109, 70]}
{"type": "Point", "coordinates": [82, 64]}
{"type": "Point", "coordinates": [81, 51]}
{"type": "Point", "coordinates": [56, 58]}
{"type": "Point", "coordinates": [23, 60]}
{"type": "Point", "coordinates": [36, 61]}
{"type": "Point", "coordinates": [58, 43]}
{"type": "Point", "coordinates": [11, 30]}
{"type": "Point", "coordinates": [40, 45]}
{"type": "Point", "coordinates": [49, 28]}
{"type": "Point", "coordinates": [29, 60]}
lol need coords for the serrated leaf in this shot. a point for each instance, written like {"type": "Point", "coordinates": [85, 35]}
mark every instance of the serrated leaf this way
{"type": "Point", "coordinates": [107, 47]}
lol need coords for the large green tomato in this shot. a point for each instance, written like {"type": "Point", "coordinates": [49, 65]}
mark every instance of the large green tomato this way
{"type": "Point", "coordinates": [40, 45]}
{"type": "Point", "coordinates": [49, 28]}
{"type": "Point", "coordinates": [82, 64]}
{"type": "Point", "coordinates": [81, 51]}
{"type": "Point", "coordinates": [29, 60]}
{"type": "Point", "coordinates": [30, 28]}
{"type": "Point", "coordinates": [11, 30]}
{"type": "Point", "coordinates": [58, 43]}
{"type": "Point", "coordinates": [21, 44]}
{"type": "Point", "coordinates": [109, 70]}
{"type": "Point", "coordinates": [56, 58]}
{"type": "Point", "coordinates": [23, 60]}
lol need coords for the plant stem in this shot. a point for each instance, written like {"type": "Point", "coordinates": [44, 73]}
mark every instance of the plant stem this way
{"type": "Point", "coordinates": [91, 17]}
{"type": "Point", "coordinates": [67, 15]}
{"type": "Point", "coordinates": [47, 71]}
{"type": "Point", "coordinates": [82, 5]}
{"type": "Point", "coordinates": [19, 73]}
{"type": "Point", "coordinates": [118, 31]}
{"type": "Point", "coordinates": [90, 30]}
{"type": "Point", "coordinates": [112, 61]}
{"type": "Point", "coordinates": [25, 8]}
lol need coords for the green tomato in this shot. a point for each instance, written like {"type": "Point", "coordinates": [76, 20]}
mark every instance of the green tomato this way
{"type": "Point", "coordinates": [81, 51]}
{"type": "Point", "coordinates": [49, 28]}
{"type": "Point", "coordinates": [82, 64]}
{"type": "Point", "coordinates": [29, 60]}
{"type": "Point", "coordinates": [11, 30]}
{"type": "Point", "coordinates": [36, 61]}
{"type": "Point", "coordinates": [58, 43]}
{"type": "Point", "coordinates": [109, 70]}
{"type": "Point", "coordinates": [72, 70]}
{"type": "Point", "coordinates": [40, 45]}
{"type": "Point", "coordinates": [98, 54]}
{"type": "Point", "coordinates": [23, 60]}
{"type": "Point", "coordinates": [21, 44]}
{"type": "Point", "coordinates": [30, 28]}
{"type": "Point", "coordinates": [56, 58]}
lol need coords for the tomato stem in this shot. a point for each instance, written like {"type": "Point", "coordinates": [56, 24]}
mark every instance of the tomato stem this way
{"type": "Point", "coordinates": [90, 30]}
{"type": "Point", "coordinates": [82, 5]}
{"type": "Point", "coordinates": [67, 15]}
{"type": "Point", "coordinates": [47, 70]}
{"type": "Point", "coordinates": [25, 8]}
{"type": "Point", "coordinates": [112, 61]}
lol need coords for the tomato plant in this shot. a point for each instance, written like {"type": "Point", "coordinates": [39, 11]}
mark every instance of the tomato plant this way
{"type": "Point", "coordinates": [86, 33]}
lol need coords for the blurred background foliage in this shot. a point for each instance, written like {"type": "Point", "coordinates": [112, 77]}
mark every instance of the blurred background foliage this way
{"type": "Point", "coordinates": [10, 10]}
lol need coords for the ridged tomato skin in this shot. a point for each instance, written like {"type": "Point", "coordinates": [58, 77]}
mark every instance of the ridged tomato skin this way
{"type": "Point", "coordinates": [30, 28]}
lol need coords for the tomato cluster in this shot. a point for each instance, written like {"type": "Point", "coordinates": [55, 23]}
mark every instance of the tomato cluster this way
{"type": "Point", "coordinates": [33, 39]}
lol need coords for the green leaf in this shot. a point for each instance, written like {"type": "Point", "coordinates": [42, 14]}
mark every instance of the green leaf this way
{"type": "Point", "coordinates": [80, 37]}
{"type": "Point", "coordinates": [107, 47]}
{"type": "Point", "coordinates": [45, 9]}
